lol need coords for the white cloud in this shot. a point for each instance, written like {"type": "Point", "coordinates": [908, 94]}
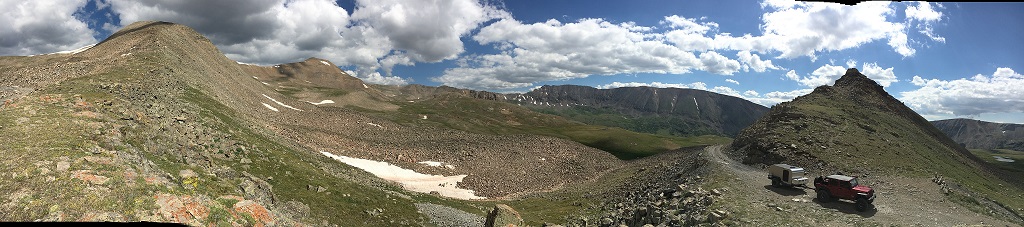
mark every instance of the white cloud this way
{"type": "Point", "coordinates": [923, 12]}
{"type": "Point", "coordinates": [376, 78]}
{"type": "Point", "coordinates": [884, 77]}
{"type": "Point", "coordinates": [732, 81]}
{"type": "Point", "coordinates": [824, 75]}
{"type": "Point", "coordinates": [775, 97]}
{"type": "Point", "coordinates": [380, 33]}
{"type": "Point", "coordinates": [750, 93]}
{"type": "Point", "coordinates": [828, 74]}
{"type": "Point", "coordinates": [554, 50]}
{"type": "Point", "coordinates": [714, 62]}
{"type": "Point", "coordinates": [689, 25]}
{"type": "Point", "coordinates": [804, 28]}
{"type": "Point", "coordinates": [752, 61]}
{"type": "Point", "coordinates": [851, 63]}
{"type": "Point", "coordinates": [429, 31]}
{"type": "Point", "coordinates": [38, 27]}
{"type": "Point", "coordinates": [999, 93]}
{"type": "Point", "coordinates": [923, 16]}
{"type": "Point", "coordinates": [695, 85]}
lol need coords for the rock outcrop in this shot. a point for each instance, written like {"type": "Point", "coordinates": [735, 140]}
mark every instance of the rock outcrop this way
{"type": "Point", "coordinates": [503, 216]}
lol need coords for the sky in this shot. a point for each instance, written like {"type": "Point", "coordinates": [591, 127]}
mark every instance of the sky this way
{"type": "Point", "coordinates": [944, 60]}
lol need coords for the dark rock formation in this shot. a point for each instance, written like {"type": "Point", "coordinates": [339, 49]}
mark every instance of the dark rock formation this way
{"type": "Point", "coordinates": [503, 215]}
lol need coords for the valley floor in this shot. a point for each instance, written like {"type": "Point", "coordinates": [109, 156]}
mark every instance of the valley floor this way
{"type": "Point", "coordinates": [901, 201]}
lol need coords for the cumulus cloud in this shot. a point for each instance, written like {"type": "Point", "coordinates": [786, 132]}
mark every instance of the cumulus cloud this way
{"type": "Point", "coordinates": [555, 50]}
{"type": "Point", "coordinates": [828, 74]}
{"type": "Point", "coordinates": [924, 16]}
{"type": "Point", "coordinates": [804, 28]}
{"type": "Point", "coordinates": [695, 85]}
{"type": "Point", "coordinates": [884, 76]}
{"type": "Point", "coordinates": [980, 94]}
{"type": "Point", "coordinates": [380, 33]}
{"type": "Point", "coordinates": [37, 27]}
{"type": "Point", "coordinates": [752, 61]}
{"type": "Point", "coordinates": [714, 62]}
{"type": "Point", "coordinates": [429, 31]}
{"type": "Point", "coordinates": [732, 81]}
{"type": "Point", "coordinates": [558, 51]}
{"type": "Point", "coordinates": [824, 75]}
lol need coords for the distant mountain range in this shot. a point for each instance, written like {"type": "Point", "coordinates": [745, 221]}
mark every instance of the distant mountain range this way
{"type": "Point", "coordinates": [975, 134]}
{"type": "Point", "coordinates": [667, 111]}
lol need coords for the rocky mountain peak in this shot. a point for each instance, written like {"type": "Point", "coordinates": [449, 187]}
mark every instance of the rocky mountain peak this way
{"type": "Point", "coordinates": [854, 79]}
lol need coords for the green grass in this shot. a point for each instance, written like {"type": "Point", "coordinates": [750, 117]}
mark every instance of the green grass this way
{"type": "Point", "coordinates": [659, 125]}
{"type": "Point", "coordinates": [987, 156]}
{"type": "Point", "coordinates": [491, 117]}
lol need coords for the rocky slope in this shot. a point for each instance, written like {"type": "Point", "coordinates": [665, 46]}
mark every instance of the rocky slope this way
{"type": "Point", "coordinates": [156, 116]}
{"type": "Point", "coordinates": [857, 128]}
{"type": "Point", "coordinates": [975, 134]}
{"type": "Point", "coordinates": [671, 111]}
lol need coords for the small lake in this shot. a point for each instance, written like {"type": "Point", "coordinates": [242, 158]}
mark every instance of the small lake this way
{"type": "Point", "coordinates": [1003, 159]}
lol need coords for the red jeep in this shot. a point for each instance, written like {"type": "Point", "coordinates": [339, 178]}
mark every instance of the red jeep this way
{"type": "Point", "coordinates": [844, 187]}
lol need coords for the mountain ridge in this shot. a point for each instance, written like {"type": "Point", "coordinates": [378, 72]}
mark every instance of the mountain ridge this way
{"type": "Point", "coordinates": [674, 111]}
{"type": "Point", "coordinates": [977, 134]}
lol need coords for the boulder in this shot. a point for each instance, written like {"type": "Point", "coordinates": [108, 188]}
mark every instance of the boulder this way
{"type": "Point", "coordinates": [503, 215]}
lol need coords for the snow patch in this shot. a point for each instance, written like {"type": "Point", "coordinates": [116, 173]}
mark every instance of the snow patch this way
{"type": "Point", "coordinates": [371, 123]}
{"type": "Point", "coordinates": [364, 86]}
{"type": "Point", "coordinates": [280, 103]}
{"type": "Point", "coordinates": [411, 180]}
{"type": "Point", "coordinates": [126, 55]}
{"type": "Point", "coordinates": [75, 51]}
{"type": "Point", "coordinates": [254, 77]}
{"type": "Point", "coordinates": [270, 107]}
{"type": "Point", "coordinates": [243, 63]}
{"type": "Point", "coordinates": [326, 101]}
{"type": "Point", "coordinates": [1003, 159]}
{"type": "Point", "coordinates": [695, 103]}
{"type": "Point", "coordinates": [436, 164]}
{"type": "Point", "coordinates": [432, 163]}
{"type": "Point", "coordinates": [265, 83]}
{"type": "Point", "coordinates": [325, 63]}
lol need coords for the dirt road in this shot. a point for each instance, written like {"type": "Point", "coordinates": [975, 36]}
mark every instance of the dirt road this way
{"type": "Point", "coordinates": [901, 201]}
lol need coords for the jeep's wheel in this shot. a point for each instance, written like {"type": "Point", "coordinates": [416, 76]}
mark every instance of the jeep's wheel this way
{"type": "Point", "coordinates": [776, 182]}
{"type": "Point", "coordinates": [862, 204]}
{"type": "Point", "coordinates": [824, 196]}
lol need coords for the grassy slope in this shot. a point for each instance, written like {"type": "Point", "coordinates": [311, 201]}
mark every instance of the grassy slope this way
{"type": "Point", "coordinates": [659, 125]}
{"type": "Point", "coordinates": [482, 116]}
{"type": "Point", "coordinates": [1017, 156]}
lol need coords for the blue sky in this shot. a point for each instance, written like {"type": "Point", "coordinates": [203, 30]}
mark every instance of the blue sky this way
{"type": "Point", "coordinates": [944, 60]}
